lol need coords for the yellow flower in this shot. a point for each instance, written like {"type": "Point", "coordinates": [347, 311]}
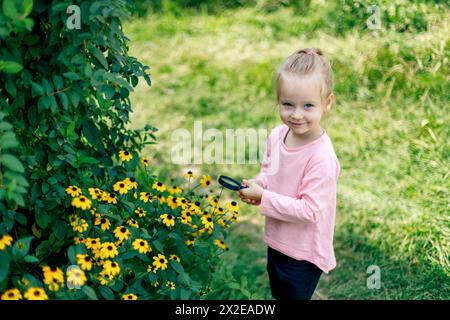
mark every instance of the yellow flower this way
{"type": "Point", "coordinates": [109, 197]}
{"type": "Point", "coordinates": [74, 191]}
{"type": "Point", "coordinates": [122, 233]}
{"type": "Point", "coordinates": [35, 293]}
{"type": "Point", "coordinates": [78, 240]}
{"type": "Point", "coordinates": [220, 244]}
{"type": "Point", "coordinates": [81, 226]}
{"type": "Point", "coordinates": [131, 182]}
{"type": "Point", "coordinates": [108, 250]}
{"type": "Point", "coordinates": [188, 175]}
{"type": "Point", "coordinates": [5, 241]}
{"type": "Point", "coordinates": [232, 206]}
{"type": "Point", "coordinates": [75, 277]}
{"type": "Point", "coordinates": [190, 241]}
{"type": "Point", "coordinates": [182, 202]}
{"type": "Point", "coordinates": [152, 269]}
{"type": "Point", "coordinates": [93, 243]}
{"type": "Point", "coordinates": [84, 261]}
{"type": "Point", "coordinates": [12, 294]}
{"type": "Point", "coordinates": [104, 223]}
{"type": "Point", "coordinates": [73, 220]}
{"type": "Point", "coordinates": [140, 212]}
{"type": "Point", "coordinates": [207, 221]}
{"type": "Point", "coordinates": [170, 285]}
{"type": "Point", "coordinates": [81, 202]}
{"type": "Point", "coordinates": [110, 268]}
{"type": "Point", "coordinates": [125, 156]}
{"type": "Point", "coordinates": [146, 196]}
{"type": "Point", "coordinates": [218, 210]}
{"type": "Point", "coordinates": [145, 162]}
{"type": "Point", "coordinates": [129, 296]}
{"type": "Point", "coordinates": [53, 278]}
{"type": "Point", "coordinates": [186, 216]}
{"type": "Point", "coordinates": [213, 201]}
{"type": "Point", "coordinates": [133, 223]}
{"type": "Point", "coordinates": [175, 190]}
{"type": "Point", "coordinates": [205, 181]}
{"type": "Point", "coordinates": [161, 198]}
{"type": "Point", "coordinates": [195, 207]}
{"type": "Point", "coordinates": [159, 186]}
{"type": "Point", "coordinates": [174, 257]}
{"type": "Point", "coordinates": [142, 246]}
{"type": "Point", "coordinates": [168, 219]}
{"type": "Point", "coordinates": [95, 193]}
{"type": "Point", "coordinates": [172, 202]}
{"type": "Point", "coordinates": [122, 187]}
{"type": "Point", "coordinates": [160, 262]}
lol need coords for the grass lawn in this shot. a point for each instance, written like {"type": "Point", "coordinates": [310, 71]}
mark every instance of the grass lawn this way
{"type": "Point", "coordinates": [389, 126]}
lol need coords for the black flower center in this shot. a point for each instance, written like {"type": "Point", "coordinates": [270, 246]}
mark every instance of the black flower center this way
{"type": "Point", "coordinates": [161, 260]}
{"type": "Point", "coordinates": [126, 153]}
{"type": "Point", "coordinates": [87, 259]}
{"type": "Point", "coordinates": [110, 248]}
{"type": "Point", "coordinates": [132, 179]}
{"type": "Point", "coordinates": [82, 199]}
{"type": "Point", "coordinates": [142, 243]}
{"type": "Point", "coordinates": [103, 220]}
{"type": "Point", "coordinates": [122, 185]}
{"type": "Point", "coordinates": [74, 189]}
{"type": "Point", "coordinates": [169, 217]}
{"type": "Point", "coordinates": [123, 230]}
{"type": "Point", "coordinates": [159, 184]}
{"type": "Point", "coordinates": [37, 293]}
{"type": "Point", "coordinates": [233, 203]}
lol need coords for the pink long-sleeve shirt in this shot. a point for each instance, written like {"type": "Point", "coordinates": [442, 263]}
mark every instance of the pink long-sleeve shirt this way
{"type": "Point", "coordinates": [299, 200]}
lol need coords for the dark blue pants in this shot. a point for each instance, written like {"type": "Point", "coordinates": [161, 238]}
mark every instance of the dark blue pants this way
{"type": "Point", "coordinates": [291, 279]}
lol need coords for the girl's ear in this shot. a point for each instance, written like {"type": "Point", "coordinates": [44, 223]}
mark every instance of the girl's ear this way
{"type": "Point", "coordinates": [328, 102]}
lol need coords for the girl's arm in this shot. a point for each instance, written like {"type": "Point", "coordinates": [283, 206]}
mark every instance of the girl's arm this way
{"type": "Point", "coordinates": [261, 179]}
{"type": "Point", "coordinates": [316, 193]}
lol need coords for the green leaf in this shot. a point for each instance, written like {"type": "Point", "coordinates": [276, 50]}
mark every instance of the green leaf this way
{"type": "Point", "coordinates": [10, 66]}
{"type": "Point", "coordinates": [234, 285]}
{"type": "Point", "coordinates": [21, 247]}
{"type": "Point", "coordinates": [4, 265]}
{"type": "Point", "coordinates": [71, 75]}
{"type": "Point", "coordinates": [9, 9]}
{"type": "Point", "coordinates": [42, 219]}
{"type": "Point", "coordinates": [8, 140]}
{"type": "Point", "coordinates": [27, 6]}
{"type": "Point", "coordinates": [36, 89]}
{"type": "Point", "coordinates": [12, 163]}
{"type": "Point", "coordinates": [106, 293]}
{"type": "Point", "coordinates": [99, 55]}
{"type": "Point", "coordinates": [87, 160]}
{"type": "Point", "coordinates": [158, 246]}
{"type": "Point", "coordinates": [90, 293]}
{"type": "Point", "coordinates": [31, 259]}
{"type": "Point", "coordinates": [177, 266]}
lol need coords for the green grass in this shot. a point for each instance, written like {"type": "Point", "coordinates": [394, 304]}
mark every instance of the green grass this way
{"type": "Point", "coordinates": [389, 126]}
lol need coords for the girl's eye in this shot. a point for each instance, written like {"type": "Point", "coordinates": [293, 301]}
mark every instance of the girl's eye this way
{"type": "Point", "coordinates": [287, 104]}
{"type": "Point", "coordinates": [309, 105]}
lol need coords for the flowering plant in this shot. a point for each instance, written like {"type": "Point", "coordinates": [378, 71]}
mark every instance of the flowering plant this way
{"type": "Point", "coordinates": [133, 238]}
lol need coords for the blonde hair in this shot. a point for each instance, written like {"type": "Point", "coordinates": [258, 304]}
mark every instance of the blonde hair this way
{"type": "Point", "coordinates": [304, 62]}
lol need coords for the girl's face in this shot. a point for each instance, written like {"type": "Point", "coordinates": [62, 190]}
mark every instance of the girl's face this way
{"type": "Point", "coordinates": [301, 105]}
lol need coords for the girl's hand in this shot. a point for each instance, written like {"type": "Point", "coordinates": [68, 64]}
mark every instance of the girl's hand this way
{"type": "Point", "coordinates": [253, 193]}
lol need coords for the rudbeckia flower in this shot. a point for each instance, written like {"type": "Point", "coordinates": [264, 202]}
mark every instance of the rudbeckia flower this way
{"type": "Point", "coordinates": [125, 156]}
{"type": "Point", "coordinates": [93, 243]}
{"type": "Point", "coordinates": [175, 190]}
{"type": "Point", "coordinates": [122, 233]}
{"type": "Point", "coordinates": [131, 182]}
{"type": "Point", "coordinates": [53, 278]}
{"type": "Point", "coordinates": [129, 296]}
{"type": "Point", "coordinates": [161, 198]}
{"type": "Point", "coordinates": [232, 206]}
{"type": "Point", "coordinates": [152, 269]}
{"type": "Point", "coordinates": [168, 219]}
{"type": "Point", "coordinates": [145, 162]}
{"type": "Point", "coordinates": [133, 223]}
{"type": "Point", "coordinates": [160, 262]}
{"type": "Point", "coordinates": [174, 257]}
{"type": "Point", "coordinates": [110, 268]}
{"type": "Point", "coordinates": [110, 197]}
{"type": "Point", "coordinates": [159, 186]}
{"type": "Point", "coordinates": [207, 221]}
{"type": "Point", "coordinates": [95, 193]}
{"type": "Point", "coordinates": [140, 212]}
{"type": "Point", "coordinates": [5, 241]}
{"type": "Point", "coordinates": [205, 181]}
{"type": "Point", "coordinates": [172, 202]}
{"type": "Point", "coordinates": [182, 202]}
{"type": "Point", "coordinates": [104, 223]}
{"type": "Point", "coordinates": [213, 201]}
{"type": "Point", "coordinates": [108, 250]}
{"type": "Point", "coordinates": [35, 293]}
{"type": "Point", "coordinates": [74, 191]}
{"type": "Point", "coordinates": [81, 226]}
{"type": "Point", "coordinates": [189, 175]}
{"type": "Point", "coordinates": [81, 202]}
{"type": "Point", "coordinates": [170, 285]}
{"type": "Point", "coordinates": [190, 241]}
{"type": "Point", "coordinates": [146, 196]}
{"type": "Point", "coordinates": [142, 246]}
{"type": "Point", "coordinates": [220, 244]}
{"type": "Point", "coordinates": [122, 187]}
{"type": "Point", "coordinates": [12, 294]}
{"type": "Point", "coordinates": [84, 261]}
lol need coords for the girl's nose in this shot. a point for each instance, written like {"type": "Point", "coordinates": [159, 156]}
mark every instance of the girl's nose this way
{"type": "Point", "coordinates": [297, 115]}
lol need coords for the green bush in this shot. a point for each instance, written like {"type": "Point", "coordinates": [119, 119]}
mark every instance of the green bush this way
{"type": "Point", "coordinates": [64, 100]}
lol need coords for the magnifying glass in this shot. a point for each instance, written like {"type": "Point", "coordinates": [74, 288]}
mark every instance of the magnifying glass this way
{"type": "Point", "coordinates": [230, 183]}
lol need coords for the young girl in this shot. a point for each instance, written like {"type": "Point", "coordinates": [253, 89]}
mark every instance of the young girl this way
{"type": "Point", "coordinates": [296, 188]}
